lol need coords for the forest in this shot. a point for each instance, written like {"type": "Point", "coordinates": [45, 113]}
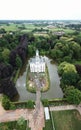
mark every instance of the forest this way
{"type": "Point", "coordinates": [65, 50]}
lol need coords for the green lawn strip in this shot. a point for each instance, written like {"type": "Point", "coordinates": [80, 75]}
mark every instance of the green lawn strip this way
{"type": "Point", "coordinates": [16, 76]}
{"type": "Point", "coordinates": [67, 120]}
{"type": "Point", "coordinates": [48, 125]}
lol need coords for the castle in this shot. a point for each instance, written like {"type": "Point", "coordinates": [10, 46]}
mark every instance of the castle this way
{"type": "Point", "coordinates": [37, 64]}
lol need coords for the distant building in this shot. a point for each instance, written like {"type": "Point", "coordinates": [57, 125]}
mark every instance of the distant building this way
{"type": "Point", "coordinates": [37, 64]}
{"type": "Point", "coordinates": [59, 33]}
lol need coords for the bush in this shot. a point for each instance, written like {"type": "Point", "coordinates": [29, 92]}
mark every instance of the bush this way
{"type": "Point", "coordinates": [73, 95]}
{"type": "Point", "coordinates": [7, 104]}
{"type": "Point", "coordinates": [12, 106]}
{"type": "Point", "coordinates": [30, 104]}
{"type": "Point", "coordinates": [45, 102]}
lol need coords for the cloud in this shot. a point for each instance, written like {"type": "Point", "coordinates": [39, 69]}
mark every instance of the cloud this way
{"type": "Point", "coordinates": [40, 9]}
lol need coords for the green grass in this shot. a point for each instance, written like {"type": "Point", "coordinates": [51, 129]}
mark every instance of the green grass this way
{"type": "Point", "coordinates": [66, 30]}
{"type": "Point", "coordinates": [16, 76]}
{"type": "Point", "coordinates": [10, 27]}
{"type": "Point", "coordinates": [48, 125]}
{"type": "Point", "coordinates": [67, 120]}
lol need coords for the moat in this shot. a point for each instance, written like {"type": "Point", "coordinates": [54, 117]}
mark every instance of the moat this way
{"type": "Point", "coordinates": [54, 91]}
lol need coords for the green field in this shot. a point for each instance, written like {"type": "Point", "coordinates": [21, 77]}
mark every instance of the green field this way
{"type": "Point", "coordinates": [67, 120]}
{"type": "Point", "coordinates": [30, 27]}
{"type": "Point", "coordinates": [10, 27]}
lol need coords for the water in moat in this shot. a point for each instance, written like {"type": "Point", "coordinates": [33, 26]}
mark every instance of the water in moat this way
{"type": "Point", "coordinates": [54, 91]}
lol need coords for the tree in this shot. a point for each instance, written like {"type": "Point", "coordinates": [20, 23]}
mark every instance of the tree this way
{"type": "Point", "coordinates": [5, 54]}
{"type": "Point", "coordinates": [18, 62]}
{"type": "Point", "coordinates": [8, 88]}
{"type": "Point", "coordinates": [78, 68]}
{"type": "Point", "coordinates": [56, 54]}
{"type": "Point", "coordinates": [30, 104]}
{"type": "Point", "coordinates": [65, 67]}
{"type": "Point", "coordinates": [73, 95]}
{"type": "Point", "coordinates": [6, 102]}
{"type": "Point", "coordinates": [5, 70]}
{"type": "Point", "coordinates": [45, 102]}
{"type": "Point", "coordinates": [75, 47]}
{"type": "Point", "coordinates": [31, 50]}
{"type": "Point", "coordinates": [70, 78]}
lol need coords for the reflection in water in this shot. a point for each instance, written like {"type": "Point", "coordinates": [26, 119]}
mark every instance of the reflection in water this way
{"type": "Point", "coordinates": [54, 91]}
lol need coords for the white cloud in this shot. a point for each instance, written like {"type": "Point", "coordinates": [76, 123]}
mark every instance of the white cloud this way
{"type": "Point", "coordinates": [40, 9]}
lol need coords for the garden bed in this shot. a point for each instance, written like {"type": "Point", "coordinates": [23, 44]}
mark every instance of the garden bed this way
{"type": "Point", "coordinates": [43, 79]}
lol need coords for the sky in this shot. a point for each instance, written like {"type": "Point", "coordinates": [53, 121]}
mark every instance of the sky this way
{"type": "Point", "coordinates": [40, 10]}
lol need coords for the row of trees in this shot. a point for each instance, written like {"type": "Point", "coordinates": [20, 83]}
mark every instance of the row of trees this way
{"type": "Point", "coordinates": [11, 59]}
{"type": "Point", "coordinates": [70, 82]}
{"type": "Point", "coordinates": [59, 48]}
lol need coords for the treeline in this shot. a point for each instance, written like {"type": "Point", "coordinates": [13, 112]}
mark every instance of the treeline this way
{"type": "Point", "coordinates": [14, 48]}
{"type": "Point", "coordinates": [70, 81]}
{"type": "Point", "coordinates": [66, 51]}
{"type": "Point", "coordinates": [40, 30]}
{"type": "Point", "coordinates": [13, 53]}
{"type": "Point", "coordinates": [74, 26]}
{"type": "Point", "coordinates": [59, 48]}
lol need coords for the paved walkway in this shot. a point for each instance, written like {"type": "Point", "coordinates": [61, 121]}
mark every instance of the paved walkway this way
{"type": "Point", "coordinates": [36, 119]}
{"type": "Point", "coordinates": [34, 116]}
{"type": "Point", "coordinates": [66, 107]}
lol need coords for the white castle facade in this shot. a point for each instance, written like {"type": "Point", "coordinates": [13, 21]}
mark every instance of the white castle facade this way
{"type": "Point", "coordinates": [37, 64]}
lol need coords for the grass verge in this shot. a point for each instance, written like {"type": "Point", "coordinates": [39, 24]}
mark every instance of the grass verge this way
{"type": "Point", "coordinates": [48, 125]}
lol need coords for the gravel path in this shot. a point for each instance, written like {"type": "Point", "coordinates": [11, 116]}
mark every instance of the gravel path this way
{"type": "Point", "coordinates": [66, 107]}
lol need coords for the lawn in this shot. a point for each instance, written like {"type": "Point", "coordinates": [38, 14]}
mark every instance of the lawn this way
{"type": "Point", "coordinates": [10, 27]}
{"type": "Point", "coordinates": [48, 125]}
{"type": "Point", "coordinates": [67, 120]}
{"type": "Point", "coordinates": [66, 30]}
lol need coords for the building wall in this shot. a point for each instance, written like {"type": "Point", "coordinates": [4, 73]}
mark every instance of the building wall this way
{"type": "Point", "coordinates": [37, 67]}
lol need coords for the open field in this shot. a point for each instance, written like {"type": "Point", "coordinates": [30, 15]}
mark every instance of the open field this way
{"type": "Point", "coordinates": [29, 27]}
{"type": "Point", "coordinates": [66, 30]}
{"type": "Point", "coordinates": [67, 120]}
{"type": "Point", "coordinates": [10, 27]}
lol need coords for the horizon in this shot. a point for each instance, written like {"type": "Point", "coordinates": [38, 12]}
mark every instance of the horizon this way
{"type": "Point", "coordinates": [40, 19]}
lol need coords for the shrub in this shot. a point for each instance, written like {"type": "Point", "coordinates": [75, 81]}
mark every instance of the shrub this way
{"type": "Point", "coordinates": [7, 104]}
{"type": "Point", "coordinates": [45, 102]}
{"type": "Point", "coordinates": [30, 104]}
